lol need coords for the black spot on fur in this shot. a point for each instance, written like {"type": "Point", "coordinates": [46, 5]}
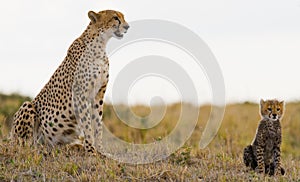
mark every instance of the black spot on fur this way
{"type": "Point", "coordinates": [68, 132]}
{"type": "Point", "coordinates": [70, 125]}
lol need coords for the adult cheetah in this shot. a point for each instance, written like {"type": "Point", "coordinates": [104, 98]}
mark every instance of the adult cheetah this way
{"type": "Point", "coordinates": [69, 108]}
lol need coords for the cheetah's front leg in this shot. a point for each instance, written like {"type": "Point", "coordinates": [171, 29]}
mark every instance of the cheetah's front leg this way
{"type": "Point", "coordinates": [260, 160]}
{"type": "Point", "coordinates": [82, 110]}
{"type": "Point", "coordinates": [97, 118]}
{"type": "Point", "coordinates": [82, 104]}
{"type": "Point", "coordinates": [277, 161]}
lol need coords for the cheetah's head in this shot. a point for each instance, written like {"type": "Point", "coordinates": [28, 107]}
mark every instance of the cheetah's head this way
{"type": "Point", "coordinates": [271, 109]}
{"type": "Point", "coordinates": [109, 22]}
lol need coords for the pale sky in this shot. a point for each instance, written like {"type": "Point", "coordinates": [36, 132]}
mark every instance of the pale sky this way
{"type": "Point", "coordinates": [256, 43]}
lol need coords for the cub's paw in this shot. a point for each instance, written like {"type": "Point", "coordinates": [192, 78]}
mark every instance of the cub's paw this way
{"type": "Point", "coordinates": [279, 171]}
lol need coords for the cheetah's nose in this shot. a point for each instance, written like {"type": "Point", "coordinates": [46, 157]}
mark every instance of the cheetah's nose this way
{"type": "Point", "coordinates": [126, 27]}
{"type": "Point", "coordinates": [274, 115]}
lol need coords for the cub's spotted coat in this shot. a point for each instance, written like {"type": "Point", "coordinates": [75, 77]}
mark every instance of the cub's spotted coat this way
{"type": "Point", "coordinates": [263, 155]}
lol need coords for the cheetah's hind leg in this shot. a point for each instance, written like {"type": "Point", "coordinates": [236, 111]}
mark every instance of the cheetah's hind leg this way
{"type": "Point", "coordinates": [249, 158]}
{"type": "Point", "coordinates": [23, 123]}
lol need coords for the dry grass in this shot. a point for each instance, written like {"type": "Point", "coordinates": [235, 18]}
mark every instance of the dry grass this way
{"type": "Point", "coordinates": [220, 161]}
{"type": "Point", "coordinates": [62, 164]}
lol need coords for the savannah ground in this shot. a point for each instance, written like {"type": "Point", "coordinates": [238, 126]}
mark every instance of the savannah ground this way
{"type": "Point", "coordinates": [220, 161]}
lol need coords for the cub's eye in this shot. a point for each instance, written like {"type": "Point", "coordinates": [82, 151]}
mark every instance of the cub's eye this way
{"type": "Point", "coordinates": [278, 109]}
{"type": "Point", "coordinates": [269, 109]}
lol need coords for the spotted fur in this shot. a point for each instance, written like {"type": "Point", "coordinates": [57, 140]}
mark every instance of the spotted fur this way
{"type": "Point", "coordinates": [263, 155]}
{"type": "Point", "coordinates": [69, 108]}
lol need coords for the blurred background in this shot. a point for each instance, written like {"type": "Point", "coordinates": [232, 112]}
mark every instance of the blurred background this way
{"type": "Point", "coordinates": [256, 44]}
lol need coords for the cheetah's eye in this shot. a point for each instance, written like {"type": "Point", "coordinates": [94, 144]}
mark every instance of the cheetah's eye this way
{"type": "Point", "coordinates": [278, 109]}
{"type": "Point", "coordinates": [269, 109]}
{"type": "Point", "coordinates": [116, 18]}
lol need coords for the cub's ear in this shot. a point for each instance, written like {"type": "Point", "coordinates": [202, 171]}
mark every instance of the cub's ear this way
{"type": "Point", "coordinates": [281, 103]}
{"type": "Point", "coordinates": [262, 101]}
{"type": "Point", "coordinates": [93, 16]}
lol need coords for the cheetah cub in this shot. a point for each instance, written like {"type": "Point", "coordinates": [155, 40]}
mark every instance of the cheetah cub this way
{"type": "Point", "coordinates": [263, 155]}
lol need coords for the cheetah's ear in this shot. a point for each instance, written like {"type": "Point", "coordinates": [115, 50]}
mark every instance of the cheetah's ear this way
{"type": "Point", "coordinates": [281, 103]}
{"type": "Point", "coordinates": [93, 16]}
{"type": "Point", "coordinates": [262, 102]}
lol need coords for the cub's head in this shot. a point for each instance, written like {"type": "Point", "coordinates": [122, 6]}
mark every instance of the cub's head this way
{"type": "Point", "coordinates": [109, 22]}
{"type": "Point", "coordinates": [271, 109]}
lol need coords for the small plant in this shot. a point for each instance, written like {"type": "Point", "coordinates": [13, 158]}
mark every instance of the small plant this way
{"type": "Point", "coordinates": [182, 156]}
{"type": "Point", "coordinates": [71, 168]}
